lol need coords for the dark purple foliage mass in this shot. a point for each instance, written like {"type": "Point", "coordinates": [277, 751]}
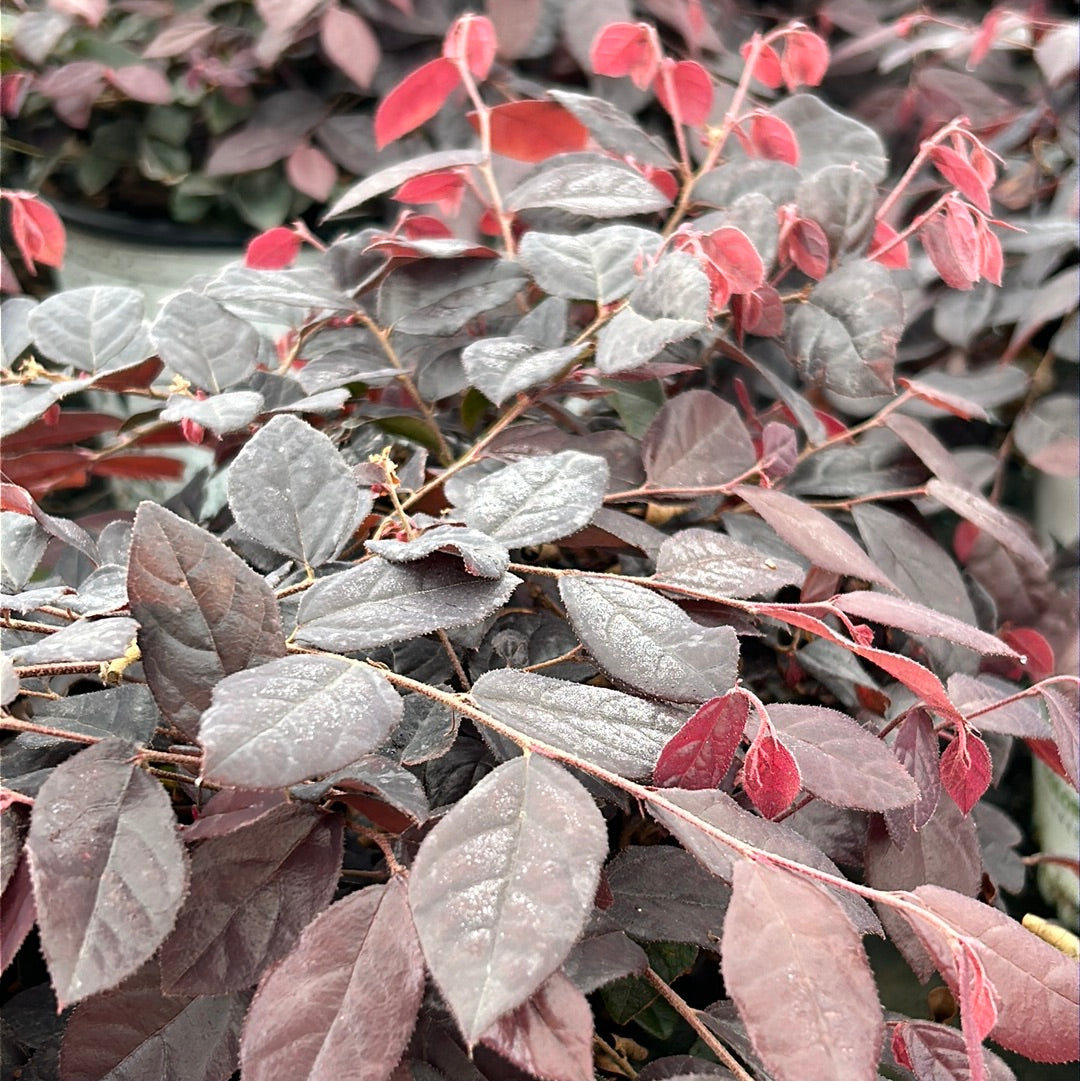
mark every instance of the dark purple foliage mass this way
{"type": "Point", "coordinates": [595, 601]}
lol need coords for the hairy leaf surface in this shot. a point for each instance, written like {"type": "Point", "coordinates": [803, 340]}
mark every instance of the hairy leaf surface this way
{"type": "Point", "coordinates": [598, 188]}
{"type": "Point", "coordinates": [98, 328]}
{"type": "Point", "coordinates": [500, 889]}
{"type": "Point", "coordinates": [203, 613]}
{"type": "Point", "coordinates": [500, 367]}
{"type": "Point", "coordinates": [343, 1003]}
{"type": "Point", "coordinates": [481, 555]}
{"type": "Point", "coordinates": [649, 642]}
{"type": "Point", "coordinates": [716, 564]}
{"type": "Point", "coordinates": [206, 344]}
{"type": "Point", "coordinates": [108, 871]}
{"type": "Point", "coordinates": [293, 718]}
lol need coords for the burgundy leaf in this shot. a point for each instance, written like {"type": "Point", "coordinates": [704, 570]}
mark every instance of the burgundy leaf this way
{"type": "Point", "coordinates": [959, 172]}
{"type": "Point", "coordinates": [348, 41]}
{"type": "Point", "coordinates": [293, 718]}
{"type": "Point", "coordinates": [916, 749]}
{"type": "Point", "coordinates": [1038, 1015]}
{"type": "Point", "coordinates": [770, 774]}
{"type": "Point", "coordinates": [841, 761]}
{"type": "Point", "coordinates": [501, 887]}
{"type": "Point", "coordinates": [648, 642]}
{"type": "Point", "coordinates": [109, 872]}
{"type": "Point", "coordinates": [253, 891]}
{"type": "Point", "coordinates": [1063, 722]}
{"type": "Point", "coordinates": [951, 239]}
{"type": "Point", "coordinates": [788, 951]}
{"type": "Point", "coordinates": [613, 730]}
{"type": "Point", "coordinates": [136, 1031]}
{"type": "Point", "coordinates": [937, 1052]}
{"type": "Point", "coordinates": [779, 450]}
{"type": "Point", "coordinates": [696, 440]}
{"type": "Point", "coordinates": [231, 809]}
{"type": "Point", "coordinates": [203, 613]}
{"type": "Point", "coordinates": [810, 532]}
{"type": "Point", "coordinates": [550, 1035]}
{"type": "Point", "coordinates": [416, 99]}
{"type": "Point", "coordinates": [966, 769]}
{"type": "Point", "coordinates": [17, 911]}
{"type": "Point", "coordinates": [701, 752]}
{"type": "Point", "coordinates": [343, 1003]}
{"type": "Point", "coordinates": [808, 248]}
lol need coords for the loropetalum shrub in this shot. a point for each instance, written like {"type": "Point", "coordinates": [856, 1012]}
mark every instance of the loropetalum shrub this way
{"type": "Point", "coordinates": [562, 612]}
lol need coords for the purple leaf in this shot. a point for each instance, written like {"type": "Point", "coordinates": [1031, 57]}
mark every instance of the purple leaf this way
{"type": "Point", "coordinates": [717, 565]}
{"type": "Point", "coordinates": [203, 613]}
{"type": "Point", "coordinates": [1038, 1015]}
{"type": "Point", "coordinates": [916, 749]}
{"type": "Point", "coordinates": [697, 440]}
{"type": "Point", "coordinates": [700, 754]}
{"type": "Point", "coordinates": [813, 968]}
{"type": "Point", "coordinates": [537, 499]}
{"type": "Point", "coordinates": [648, 642]}
{"type": "Point", "coordinates": [550, 1035]}
{"type": "Point", "coordinates": [343, 1003]}
{"type": "Point", "coordinates": [603, 954]}
{"type": "Point", "coordinates": [841, 761]}
{"type": "Point", "coordinates": [206, 344]}
{"type": "Point", "coordinates": [917, 619]}
{"type": "Point", "coordinates": [601, 265]}
{"type": "Point", "coordinates": [501, 887]}
{"type": "Point", "coordinates": [810, 532]}
{"type": "Point", "coordinates": [662, 894]}
{"type": "Point", "coordinates": [938, 1053]}
{"type": "Point", "coordinates": [592, 185]}
{"type": "Point", "coordinates": [18, 914]}
{"type": "Point", "coordinates": [135, 1031]}
{"type": "Point", "coordinates": [253, 892]}
{"type": "Point", "coordinates": [615, 731]}
{"type": "Point", "coordinates": [293, 718]}
{"type": "Point", "coordinates": [109, 872]}
{"type": "Point", "coordinates": [290, 490]}
{"type": "Point", "coordinates": [377, 603]}
{"type": "Point", "coordinates": [231, 809]}
{"type": "Point", "coordinates": [481, 555]}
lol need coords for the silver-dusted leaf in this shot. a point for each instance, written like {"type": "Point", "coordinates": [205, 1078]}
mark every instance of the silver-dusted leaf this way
{"type": "Point", "coordinates": [290, 490]}
{"type": "Point", "coordinates": [719, 565]}
{"type": "Point", "coordinates": [378, 602]}
{"type": "Point", "coordinates": [649, 642]}
{"type": "Point", "coordinates": [81, 642]}
{"type": "Point", "coordinates": [500, 367]}
{"type": "Point", "coordinates": [598, 188]}
{"type": "Point", "coordinates": [615, 731]}
{"type": "Point", "coordinates": [480, 554]}
{"type": "Point", "coordinates": [98, 328]}
{"type": "Point", "coordinates": [294, 718]}
{"type": "Point", "coordinates": [501, 887]}
{"type": "Point", "coordinates": [537, 499]}
{"type": "Point", "coordinates": [221, 414]}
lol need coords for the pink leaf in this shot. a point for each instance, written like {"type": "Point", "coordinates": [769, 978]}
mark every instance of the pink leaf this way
{"type": "Point", "coordinates": [348, 41]}
{"type": "Point", "coordinates": [734, 254]}
{"type": "Point", "coordinates": [533, 130]}
{"type": "Point", "coordinates": [805, 60]}
{"type": "Point", "coordinates": [416, 99]}
{"type": "Point", "coordinates": [700, 753]}
{"type": "Point", "coordinates": [991, 257]}
{"type": "Point", "coordinates": [141, 82]}
{"type": "Point", "coordinates": [959, 172]}
{"type": "Point", "coordinates": [790, 951]}
{"type": "Point", "coordinates": [762, 312]}
{"type": "Point", "coordinates": [916, 749]}
{"type": "Point", "coordinates": [685, 91]}
{"type": "Point", "coordinates": [309, 170]}
{"type": "Point", "coordinates": [966, 769]}
{"type": "Point", "coordinates": [772, 138]}
{"type": "Point", "coordinates": [37, 229]}
{"type": "Point", "coordinates": [445, 189]}
{"type": "Point", "coordinates": [767, 69]}
{"type": "Point", "coordinates": [1063, 723]}
{"type": "Point", "coordinates": [272, 250]}
{"type": "Point", "coordinates": [895, 256]}
{"type": "Point", "coordinates": [770, 774]}
{"type": "Point", "coordinates": [978, 998]}
{"type": "Point", "coordinates": [1036, 984]}
{"type": "Point", "coordinates": [951, 240]}
{"type": "Point", "coordinates": [91, 11]}
{"type": "Point", "coordinates": [627, 49]}
{"type": "Point", "coordinates": [471, 41]}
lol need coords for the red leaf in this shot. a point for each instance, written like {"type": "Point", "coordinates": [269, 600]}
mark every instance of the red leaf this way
{"type": "Point", "coordinates": [700, 753]}
{"type": "Point", "coordinates": [951, 239]}
{"type": "Point", "coordinates": [15, 498]}
{"type": "Point", "coordinates": [978, 997]}
{"type": "Point", "coordinates": [805, 60]}
{"type": "Point", "coordinates": [991, 257]}
{"type": "Point", "coordinates": [444, 189]}
{"type": "Point", "coordinates": [310, 171]}
{"type": "Point", "coordinates": [896, 255]}
{"type": "Point", "coordinates": [139, 467]}
{"type": "Point", "coordinates": [471, 40]}
{"type": "Point", "coordinates": [772, 138]}
{"type": "Point", "coordinates": [273, 250]}
{"type": "Point", "coordinates": [348, 41]}
{"type": "Point", "coordinates": [37, 229]}
{"type": "Point", "coordinates": [984, 37]}
{"type": "Point", "coordinates": [984, 166]}
{"type": "Point", "coordinates": [627, 49]}
{"type": "Point", "coordinates": [767, 65]}
{"type": "Point", "coordinates": [966, 769]}
{"type": "Point", "coordinates": [770, 774]}
{"type": "Point", "coordinates": [761, 312]}
{"type": "Point", "coordinates": [808, 248]}
{"type": "Point", "coordinates": [735, 256]}
{"type": "Point", "coordinates": [416, 99]}
{"type": "Point", "coordinates": [1036, 653]}
{"type": "Point", "coordinates": [959, 172]}
{"type": "Point", "coordinates": [533, 130]}
{"type": "Point", "coordinates": [685, 91]}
